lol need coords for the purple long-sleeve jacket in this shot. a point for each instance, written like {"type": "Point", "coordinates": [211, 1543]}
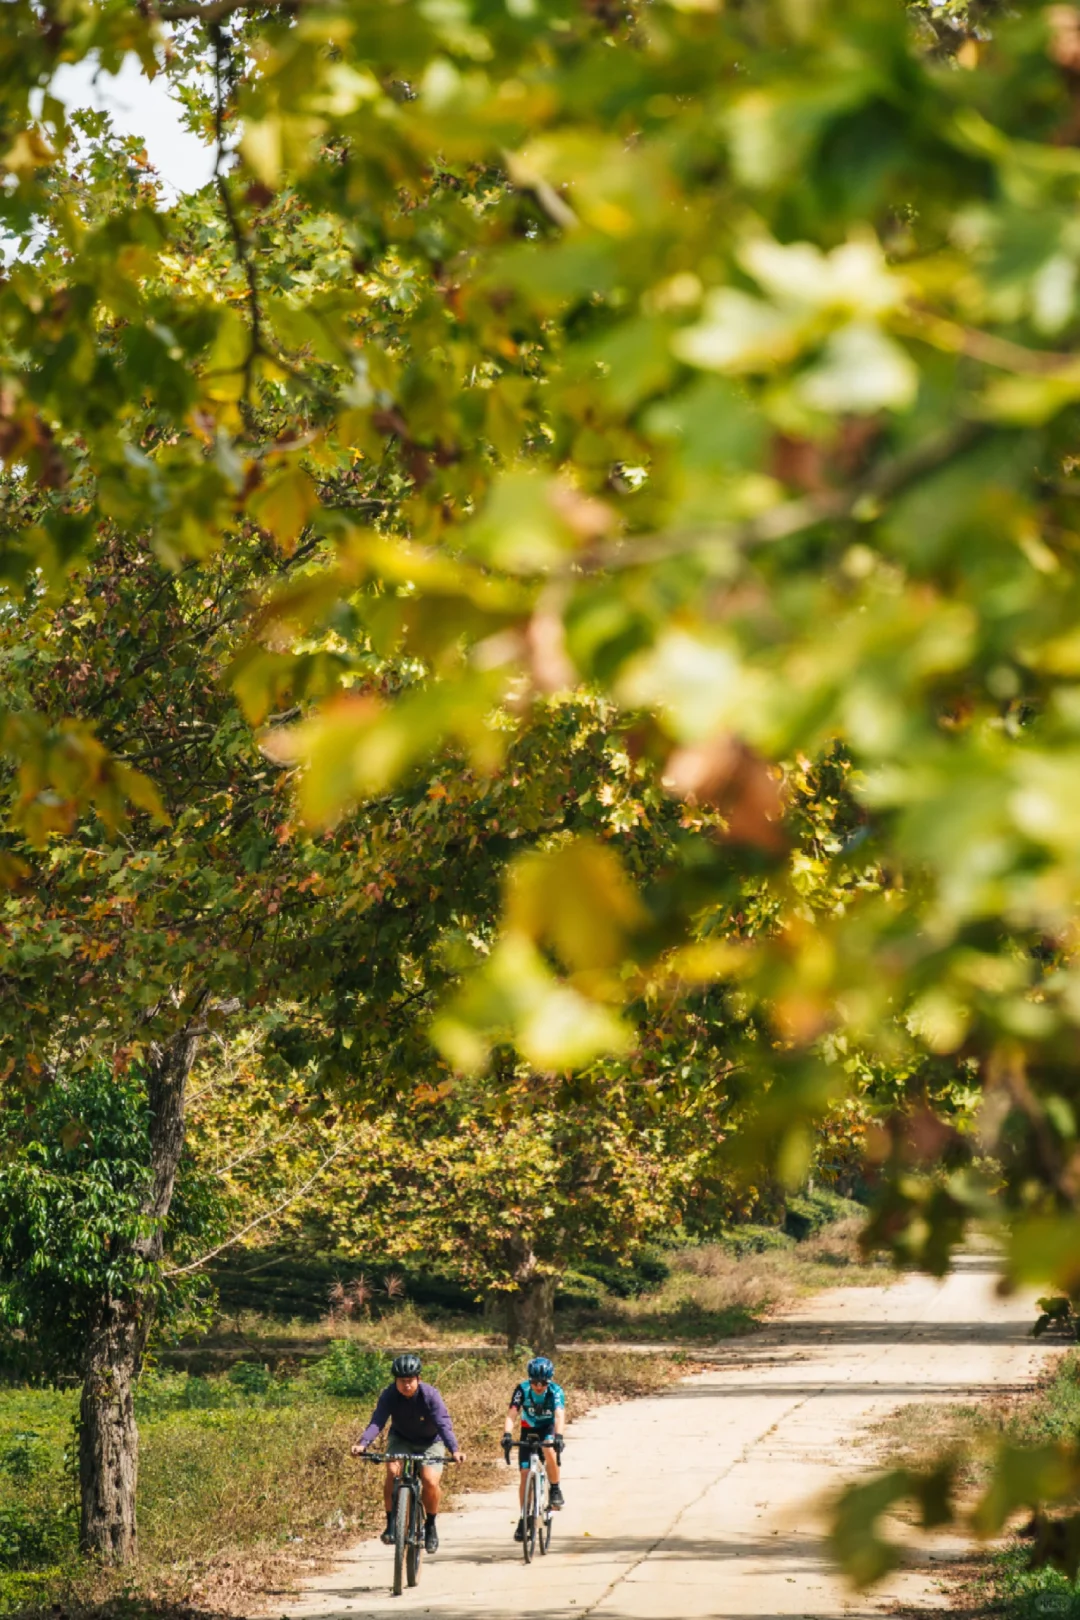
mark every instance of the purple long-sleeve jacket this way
{"type": "Point", "coordinates": [419, 1418]}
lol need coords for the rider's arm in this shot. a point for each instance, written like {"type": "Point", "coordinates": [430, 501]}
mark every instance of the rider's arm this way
{"type": "Point", "coordinates": [560, 1412]}
{"type": "Point", "coordinates": [517, 1401]}
{"type": "Point", "coordinates": [378, 1417]}
{"type": "Point", "coordinates": [444, 1428]}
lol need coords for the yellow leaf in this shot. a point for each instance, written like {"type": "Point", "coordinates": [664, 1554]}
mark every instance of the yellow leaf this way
{"type": "Point", "coordinates": [578, 899]}
{"type": "Point", "coordinates": [284, 505]}
{"type": "Point", "coordinates": [140, 791]}
{"type": "Point", "coordinates": [27, 152]}
{"type": "Point", "coordinates": [260, 146]}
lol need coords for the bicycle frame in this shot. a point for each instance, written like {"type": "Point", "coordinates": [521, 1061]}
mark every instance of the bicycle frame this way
{"type": "Point", "coordinates": [408, 1515]}
{"type": "Point", "coordinates": [536, 1508]}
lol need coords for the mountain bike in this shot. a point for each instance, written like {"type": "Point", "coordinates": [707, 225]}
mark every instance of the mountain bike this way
{"type": "Point", "coordinates": [536, 1508]}
{"type": "Point", "coordinates": [408, 1516]}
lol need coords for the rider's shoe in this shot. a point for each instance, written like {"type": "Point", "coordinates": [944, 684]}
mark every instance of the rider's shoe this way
{"type": "Point", "coordinates": [519, 1533]}
{"type": "Point", "coordinates": [555, 1497]}
{"type": "Point", "coordinates": [431, 1538]}
{"type": "Point", "coordinates": [387, 1537]}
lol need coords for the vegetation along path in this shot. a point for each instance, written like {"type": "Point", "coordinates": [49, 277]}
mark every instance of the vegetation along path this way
{"type": "Point", "coordinates": [701, 1501]}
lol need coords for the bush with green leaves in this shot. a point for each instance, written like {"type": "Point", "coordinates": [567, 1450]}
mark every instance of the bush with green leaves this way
{"type": "Point", "coordinates": [754, 1239]}
{"type": "Point", "coordinates": [349, 1371]}
{"type": "Point", "coordinates": [807, 1213]}
{"type": "Point", "coordinates": [31, 1535]}
{"type": "Point", "coordinates": [74, 1170]}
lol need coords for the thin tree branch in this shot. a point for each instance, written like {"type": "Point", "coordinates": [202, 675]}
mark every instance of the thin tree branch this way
{"type": "Point", "coordinates": [986, 347]}
{"type": "Point", "coordinates": [260, 1220]}
{"type": "Point", "coordinates": [268, 1139]}
{"type": "Point", "coordinates": [792, 517]}
{"type": "Point", "coordinates": [240, 244]}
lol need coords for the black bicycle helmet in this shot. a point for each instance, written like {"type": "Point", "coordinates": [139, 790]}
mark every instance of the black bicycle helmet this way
{"type": "Point", "coordinates": [541, 1368]}
{"type": "Point", "coordinates": [406, 1366]}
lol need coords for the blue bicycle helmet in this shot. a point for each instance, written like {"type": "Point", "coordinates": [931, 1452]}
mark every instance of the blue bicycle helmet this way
{"type": "Point", "coordinates": [541, 1368]}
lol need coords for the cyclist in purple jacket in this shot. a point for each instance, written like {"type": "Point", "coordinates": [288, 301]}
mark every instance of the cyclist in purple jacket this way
{"type": "Point", "coordinates": [420, 1426]}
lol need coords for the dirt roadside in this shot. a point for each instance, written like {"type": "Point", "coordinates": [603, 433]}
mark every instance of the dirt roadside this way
{"type": "Point", "coordinates": [699, 1502]}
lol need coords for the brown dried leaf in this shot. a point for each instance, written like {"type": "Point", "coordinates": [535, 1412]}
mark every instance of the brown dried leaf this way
{"type": "Point", "coordinates": [726, 773]}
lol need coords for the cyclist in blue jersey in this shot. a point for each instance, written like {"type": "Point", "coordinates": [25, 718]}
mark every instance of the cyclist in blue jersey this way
{"type": "Point", "coordinates": [540, 1403]}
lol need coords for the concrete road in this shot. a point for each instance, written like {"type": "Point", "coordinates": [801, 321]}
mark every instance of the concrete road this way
{"type": "Point", "coordinates": [699, 1504]}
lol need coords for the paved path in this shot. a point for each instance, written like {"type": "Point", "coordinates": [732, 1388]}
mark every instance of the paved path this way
{"type": "Point", "coordinates": [697, 1504]}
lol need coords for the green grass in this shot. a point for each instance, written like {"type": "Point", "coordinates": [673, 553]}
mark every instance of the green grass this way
{"type": "Point", "coordinates": [37, 1495]}
{"type": "Point", "coordinates": [1019, 1593]}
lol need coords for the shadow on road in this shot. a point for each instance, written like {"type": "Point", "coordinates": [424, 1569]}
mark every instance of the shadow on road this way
{"type": "Point", "coordinates": [811, 1386]}
{"type": "Point", "coordinates": [873, 1331]}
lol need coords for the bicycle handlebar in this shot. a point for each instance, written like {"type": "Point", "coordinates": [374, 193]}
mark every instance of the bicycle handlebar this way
{"type": "Point", "coordinates": [528, 1445]}
{"type": "Point", "coordinates": [402, 1456]}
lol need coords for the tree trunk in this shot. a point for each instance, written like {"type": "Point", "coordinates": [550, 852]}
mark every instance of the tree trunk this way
{"type": "Point", "coordinates": [530, 1309]}
{"type": "Point", "coordinates": [108, 1434]}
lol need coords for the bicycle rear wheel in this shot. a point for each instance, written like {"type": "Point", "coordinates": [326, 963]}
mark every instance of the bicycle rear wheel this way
{"type": "Point", "coordinates": [403, 1502]}
{"type": "Point", "coordinates": [415, 1550]}
{"type": "Point", "coordinates": [528, 1546]}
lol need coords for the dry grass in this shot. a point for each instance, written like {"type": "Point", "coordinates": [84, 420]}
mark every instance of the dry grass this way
{"type": "Point", "coordinates": [404, 1323]}
{"type": "Point", "coordinates": [713, 1293]}
{"type": "Point", "coordinates": [923, 1434]}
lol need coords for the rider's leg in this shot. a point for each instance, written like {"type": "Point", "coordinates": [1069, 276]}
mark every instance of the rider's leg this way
{"type": "Point", "coordinates": [431, 1490]}
{"type": "Point", "coordinates": [393, 1469]}
{"type": "Point", "coordinates": [551, 1463]}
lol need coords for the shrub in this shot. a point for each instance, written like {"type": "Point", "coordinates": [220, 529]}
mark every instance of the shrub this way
{"type": "Point", "coordinates": [250, 1376]}
{"type": "Point", "coordinates": [742, 1241]}
{"type": "Point", "coordinates": [349, 1371]}
{"type": "Point", "coordinates": [807, 1213]}
{"type": "Point", "coordinates": [648, 1269]}
{"type": "Point", "coordinates": [577, 1291]}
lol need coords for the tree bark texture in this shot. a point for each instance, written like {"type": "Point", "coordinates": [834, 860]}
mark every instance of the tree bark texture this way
{"type": "Point", "coordinates": [108, 1433]}
{"type": "Point", "coordinates": [530, 1309]}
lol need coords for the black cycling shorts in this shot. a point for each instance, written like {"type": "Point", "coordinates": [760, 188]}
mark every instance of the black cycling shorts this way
{"type": "Point", "coordinates": [540, 1431]}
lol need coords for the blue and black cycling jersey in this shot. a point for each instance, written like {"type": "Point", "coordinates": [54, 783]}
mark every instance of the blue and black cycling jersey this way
{"type": "Point", "coordinates": [537, 1411]}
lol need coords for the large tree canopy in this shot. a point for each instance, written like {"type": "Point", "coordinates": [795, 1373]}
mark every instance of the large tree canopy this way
{"type": "Point", "coordinates": [716, 360]}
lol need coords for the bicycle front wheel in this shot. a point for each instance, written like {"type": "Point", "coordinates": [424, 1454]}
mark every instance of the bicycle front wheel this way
{"type": "Point", "coordinates": [543, 1533]}
{"type": "Point", "coordinates": [415, 1550]}
{"type": "Point", "coordinates": [532, 1507]}
{"type": "Point", "coordinates": [402, 1528]}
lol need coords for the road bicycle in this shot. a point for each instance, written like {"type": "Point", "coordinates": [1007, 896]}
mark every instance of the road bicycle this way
{"type": "Point", "coordinates": [408, 1515]}
{"type": "Point", "coordinates": [536, 1508]}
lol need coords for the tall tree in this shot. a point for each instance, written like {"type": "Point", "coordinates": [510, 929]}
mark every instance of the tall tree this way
{"type": "Point", "coordinates": [89, 1204]}
{"type": "Point", "coordinates": [129, 935]}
